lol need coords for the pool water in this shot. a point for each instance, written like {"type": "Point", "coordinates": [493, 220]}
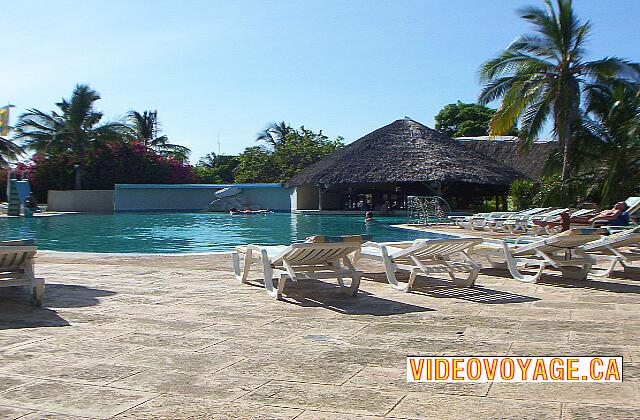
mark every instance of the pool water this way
{"type": "Point", "coordinates": [190, 232]}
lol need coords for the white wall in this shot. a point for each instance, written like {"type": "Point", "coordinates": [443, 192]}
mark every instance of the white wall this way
{"type": "Point", "coordinates": [194, 197]}
{"type": "Point", "coordinates": [87, 201]}
{"type": "Point", "coordinates": [163, 199]}
{"type": "Point", "coordinates": [268, 198]}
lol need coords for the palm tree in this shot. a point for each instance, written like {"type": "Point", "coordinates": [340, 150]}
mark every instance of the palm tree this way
{"type": "Point", "coordinates": [612, 121]}
{"type": "Point", "coordinates": [274, 133]}
{"type": "Point", "coordinates": [75, 129]}
{"type": "Point", "coordinates": [9, 151]}
{"type": "Point", "coordinates": [541, 76]}
{"type": "Point", "coordinates": [146, 129]}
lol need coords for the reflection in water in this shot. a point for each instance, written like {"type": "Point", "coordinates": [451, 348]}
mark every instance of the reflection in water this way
{"type": "Point", "coordinates": [189, 232]}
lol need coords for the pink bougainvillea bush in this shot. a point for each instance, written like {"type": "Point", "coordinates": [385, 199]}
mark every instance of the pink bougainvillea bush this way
{"type": "Point", "coordinates": [119, 163]}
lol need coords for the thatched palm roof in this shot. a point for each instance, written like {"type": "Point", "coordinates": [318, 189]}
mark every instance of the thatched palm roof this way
{"type": "Point", "coordinates": [528, 162]}
{"type": "Point", "coordinates": [405, 151]}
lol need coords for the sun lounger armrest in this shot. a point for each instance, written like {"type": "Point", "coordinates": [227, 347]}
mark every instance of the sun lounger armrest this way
{"type": "Point", "coordinates": [522, 238]}
{"type": "Point", "coordinates": [384, 252]}
{"type": "Point", "coordinates": [250, 247]}
{"type": "Point", "coordinates": [394, 245]}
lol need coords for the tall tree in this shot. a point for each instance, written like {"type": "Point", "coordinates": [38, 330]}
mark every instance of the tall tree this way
{"type": "Point", "coordinates": [74, 130]}
{"type": "Point", "coordinates": [216, 169]}
{"type": "Point", "coordinates": [612, 123]}
{"type": "Point", "coordinates": [541, 76]}
{"type": "Point", "coordinates": [274, 133]}
{"type": "Point", "coordinates": [256, 164]}
{"type": "Point", "coordinates": [289, 152]}
{"type": "Point", "coordinates": [146, 129]}
{"type": "Point", "coordinates": [462, 120]}
{"type": "Point", "coordinates": [301, 148]}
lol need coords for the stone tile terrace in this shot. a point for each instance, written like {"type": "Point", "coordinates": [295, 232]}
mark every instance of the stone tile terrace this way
{"type": "Point", "coordinates": [178, 337]}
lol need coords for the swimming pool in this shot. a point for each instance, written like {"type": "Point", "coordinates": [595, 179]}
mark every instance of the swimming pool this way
{"type": "Point", "coordinates": [189, 232]}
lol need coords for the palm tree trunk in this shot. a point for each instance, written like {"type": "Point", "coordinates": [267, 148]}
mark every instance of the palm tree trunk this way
{"type": "Point", "coordinates": [570, 102]}
{"type": "Point", "coordinates": [566, 159]}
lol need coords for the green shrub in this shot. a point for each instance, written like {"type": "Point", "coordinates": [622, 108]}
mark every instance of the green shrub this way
{"type": "Point", "coordinates": [554, 193]}
{"type": "Point", "coordinates": [522, 194]}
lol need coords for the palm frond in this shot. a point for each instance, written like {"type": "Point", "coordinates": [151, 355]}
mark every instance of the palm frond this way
{"type": "Point", "coordinates": [9, 151]}
{"type": "Point", "coordinates": [534, 116]}
{"type": "Point", "coordinates": [610, 67]}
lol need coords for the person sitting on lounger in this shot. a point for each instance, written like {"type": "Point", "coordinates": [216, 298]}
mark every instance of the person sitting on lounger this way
{"type": "Point", "coordinates": [563, 220]}
{"type": "Point", "coordinates": [617, 216]}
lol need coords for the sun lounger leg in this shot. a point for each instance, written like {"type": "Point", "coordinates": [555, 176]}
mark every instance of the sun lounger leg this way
{"type": "Point", "coordinates": [242, 273]}
{"type": "Point", "coordinates": [281, 282]}
{"type": "Point", "coordinates": [626, 263]}
{"type": "Point", "coordinates": [412, 279]}
{"type": "Point", "coordinates": [272, 290]}
{"type": "Point", "coordinates": [468, 281]}
{"type": "Point", "coordinates": [612, 260]}
{"type": "Point", "coordinates": [36, 285]}
{"type": "Point", "coordinates": [352, 290]}
{"type": "Point", "coordinates": [268, 277]}
{"type": "Point", "coordinates": [512, 265]}
{"type": "Point", "coordinates": [37, 292]}
{"type": "Point", "coordinates": [390, 272]}
{"type": "Point", "coordinates": [526, 278]}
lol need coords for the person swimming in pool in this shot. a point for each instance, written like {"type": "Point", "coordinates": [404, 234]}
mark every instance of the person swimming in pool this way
{"type": "Point", "coordinates": [31, 203]}
{"type": "Point", "coordinates": [368, 217]}
{"type": "Point", "coordinates": [235, 211]}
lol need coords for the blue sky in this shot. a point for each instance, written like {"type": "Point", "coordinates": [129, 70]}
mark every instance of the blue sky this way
{"type": "Point", "coordinates": [346, 67]}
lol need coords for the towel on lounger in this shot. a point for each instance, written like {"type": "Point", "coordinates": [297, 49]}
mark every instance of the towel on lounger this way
{"type": "Point", "coordinates": [19, 242]}
{"type": "Point", "coordinates": [322, 239]}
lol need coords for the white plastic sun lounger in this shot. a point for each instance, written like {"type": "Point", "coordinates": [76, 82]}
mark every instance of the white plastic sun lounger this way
{"type": "Point", "coordinates": [424, 256]}
{"type": "Point", "coordinates": [560, 252]}
{"type": "Point", "coordinates": [526, 223]}
{"type": "Point", "coordinates": [479, 221]}
{"type": "Point", "coordinates": [495, 220]}
{"type": "Point", "coordinates": [467, 220]}
{"type": "Point", "coordinates": [299, 262]}
{"type": "Point", "coordinates": [498, 223]}
{"type": "Point", "coordinates": [622, 247]}
{"type": "Point", "coordinates": [17, 268]}
{"type": "Point", "coordinates": [633, 205]}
